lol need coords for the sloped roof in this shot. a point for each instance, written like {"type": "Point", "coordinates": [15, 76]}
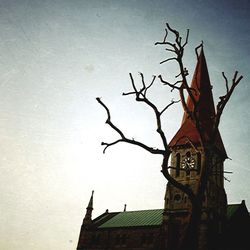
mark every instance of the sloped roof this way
{"type": "Point", "coordinates": [100, 220]}
{"type": "Point", "coordinates": [135, 219]}
{"type": "Point", "coordinates": [237, 209]}
{"type": "Point", "coordinates": [231, 209]}
{"type": "Point", "coordinates": [202, 92]}
{"type": "Point", "coordinates": [142, 218]}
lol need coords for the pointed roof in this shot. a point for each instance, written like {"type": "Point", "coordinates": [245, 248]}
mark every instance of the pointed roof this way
{"type": "Point", "coordinates": [87, 220]}
{"type": "Point", "coordinates": [202, 92]}
{"type": "Point", "coordinates": [134, 219]}
{"type": "Point", "coordinates": [150, 217]}
{"type": "Point", "coordinates": [90, 205]}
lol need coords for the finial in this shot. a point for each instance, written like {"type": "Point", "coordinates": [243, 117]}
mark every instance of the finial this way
{"type": "Point", "coordinates": [125, 207]}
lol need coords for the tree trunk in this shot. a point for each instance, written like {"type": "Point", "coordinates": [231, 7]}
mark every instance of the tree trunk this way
{"type": "Point", "coordinates": [191, 236]}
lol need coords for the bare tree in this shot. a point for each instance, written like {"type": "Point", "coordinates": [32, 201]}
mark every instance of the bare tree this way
{"type": "Point", "coordinates": [175, 47]}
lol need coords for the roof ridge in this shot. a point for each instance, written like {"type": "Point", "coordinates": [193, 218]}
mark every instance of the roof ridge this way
{"type": "Point", "coordinates": [141, 210]}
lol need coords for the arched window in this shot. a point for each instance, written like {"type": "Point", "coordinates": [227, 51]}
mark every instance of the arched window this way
{"type": "Point", "coordinates": [187, 160]}
{"type": "Point", "coordinates": [177, 198]}
{"type": "Point", "coordinates": [198, 163]}
{"type": "Point", "coordinates": [178, 163]}
{"type": "Point", "coordinates": [185, 199]}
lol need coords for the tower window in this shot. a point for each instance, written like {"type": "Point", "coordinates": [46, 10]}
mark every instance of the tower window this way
{"type": "Point", "coordinates": [177, 198]}
{"type": "Point", "coordinates": [178, 163]}
{"type": "Point", "coordinates": [187, 163]}
{"type": "Point", "coordinates": [185, 199]}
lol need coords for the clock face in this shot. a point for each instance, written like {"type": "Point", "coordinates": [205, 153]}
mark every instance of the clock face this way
{"type": "Point", "coordinates": [188, 162]}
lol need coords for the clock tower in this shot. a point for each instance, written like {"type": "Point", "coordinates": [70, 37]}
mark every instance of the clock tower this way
{"type": "Point", "coordinates": [187, 160]}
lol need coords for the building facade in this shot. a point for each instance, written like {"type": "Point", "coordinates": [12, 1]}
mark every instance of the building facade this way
{"type": "Point", "coordinates": [163, 228]}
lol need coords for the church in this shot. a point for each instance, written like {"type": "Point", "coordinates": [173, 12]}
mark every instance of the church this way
{"type": "Point", "coordinates": [223, 226]}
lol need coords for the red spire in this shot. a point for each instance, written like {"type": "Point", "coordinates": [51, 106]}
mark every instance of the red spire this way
{"type": "Point", "coordinates": [202, 92]}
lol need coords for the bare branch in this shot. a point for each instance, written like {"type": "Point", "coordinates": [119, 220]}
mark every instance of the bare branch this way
{"type": "Point", "coordinates": [108, 121]}
{"type": "Point", "coordinates": [99, 100]}
{"type": "Point", "coordinates": [164, 39]}
{"type": "Point", "coordinates": [166, 34]}
{"type": "Point", "coordinates": [164, 42]}
{"type": "Point", "coordinates": [184, 104]}
{"type": "Point", "coordinates": [142, 79]}
{"type": "Point", "coordinates": [134, 142]}
{"type": "Point", "coordinates": [226, 179]}
{"type": "Point", "coordinates": [228, 172]}
{"type": "Point", "coordinates": [185, 72]}
{"type": "Point", "coordinates": [178, 41]}
{"type": "Point", "coordinates": [133, 83]}
{"type": "Point", "coordinates": [219, 172]}
{"type": "Point", "coordinates": [123, 138]}
{"type": "Point", "coordinates": [172, 85]}
{"type": "Point", "coordinates": [186, 38]}
{"type": "Point", "coordinates": [109, 144]}
{"type": "Point", "coordinates": [143, 90]}
{"type": "Point", "coordinates": [152, 82]}
{"type": "Point", "coordinates": [171, 46]}
{"type": "Point", "coordinates": [169, 105]}
{"type": "Point", "coordinates": [196, 49]}
{"type": "Point", "coordinates": [178, 49]}
{"type": "Point", "coordinates": [169, 59]}
{"type": "Point", "coordinates": [224, 99]}
{"type": "Point", "coordinates": [170, 50]}
{"type": "Point", "coordinates": [129, 93]}
{"type": "Point", "coordinates": [141, 97]}
{"type": "Point", "coordinates": [226, 81]}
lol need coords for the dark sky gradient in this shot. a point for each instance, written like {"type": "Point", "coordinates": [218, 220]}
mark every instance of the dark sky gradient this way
{"type": "Point", "coordinates": [56, 57]}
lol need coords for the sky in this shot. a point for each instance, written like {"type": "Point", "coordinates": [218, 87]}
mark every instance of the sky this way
{"type": "Point", "coordinates": [57, 56]}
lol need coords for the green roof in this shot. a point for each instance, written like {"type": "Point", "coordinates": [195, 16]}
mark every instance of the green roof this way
{"type": "Point", "coordinates": [142, 218]}
{"type": "Point", "coordinates": [135, 219]}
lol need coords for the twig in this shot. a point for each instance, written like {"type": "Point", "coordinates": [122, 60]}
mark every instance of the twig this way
{"type": "Point", "coordinates": [123, 137]}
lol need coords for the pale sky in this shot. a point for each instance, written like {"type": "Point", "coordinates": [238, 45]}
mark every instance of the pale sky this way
{"type": "Point", "coordinates": [57, 56]}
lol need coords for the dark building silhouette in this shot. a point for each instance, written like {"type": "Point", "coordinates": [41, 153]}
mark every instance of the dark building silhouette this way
{"type": "Point", "coordinates": [222, 226]}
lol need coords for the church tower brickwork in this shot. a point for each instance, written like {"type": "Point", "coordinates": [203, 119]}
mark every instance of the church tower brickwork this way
{"type": "Point", "coordinates": [187, 160]}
